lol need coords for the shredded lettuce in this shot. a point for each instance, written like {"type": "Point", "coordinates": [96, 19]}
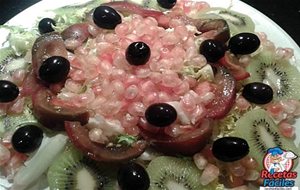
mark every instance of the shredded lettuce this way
{"type": "Point", "coordinates": [199, 73]}
{"type": "Point", "coordinates": [68, 15]}
{"type": "Point", "coordinates": [20, 39]}
{"type": "Point", "coordinates": [126, 140]}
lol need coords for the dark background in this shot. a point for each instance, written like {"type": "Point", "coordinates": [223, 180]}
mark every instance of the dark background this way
{"type": "Point", "coordinates": [286, 13]}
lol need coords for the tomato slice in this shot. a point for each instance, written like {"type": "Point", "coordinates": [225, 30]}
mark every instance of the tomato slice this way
{"type": "Point", "coordinates": [187, 144]}
{"type": "Point", "coordinates": [79, 137]}
{"type": "Point", "coordinates": [75, 35]}
{"type": "Point", "coordinates": [45, 46]}
{"type": "Point", "coordinates": [54, 117]}
{"type": "Point", "coordinates": [225, 94]}
{"type": "Point", "coordinates": [219, 26]}
{"type": "Point", "coordinates": [231, 63]}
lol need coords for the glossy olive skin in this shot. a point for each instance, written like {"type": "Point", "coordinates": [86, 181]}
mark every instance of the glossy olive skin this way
{"type": "Point", "coordinates": [258, 93]}
{"type": "Point", "coordinates": [27, 139]}
{"type": "Point", "coordinates": [230, 149]}
{"type": "Point", "coordinates": [8, 91]}
{"type": "Point", "coordinates": [45, 25]}
{"type": "Point", "coordinates": [160, 114]}
{"type": "Point", "coordinates": [167, 4]}
{"type": "Point", "coordinates": [243, 43]}
{"type": "Point", "coordinates": [106, 17]}
{"type": "Point", "coordinates": [54, 69]}
{"type": "Point", "coordinates": [212, 50]}
{"type": "Point", "coordinates": [138, 53]}
{"type": "Point", "coordinates": [133, 176]}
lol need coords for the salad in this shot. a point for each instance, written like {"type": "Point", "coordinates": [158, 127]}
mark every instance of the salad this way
{"type": "Point", "coordinates": [144, 95]}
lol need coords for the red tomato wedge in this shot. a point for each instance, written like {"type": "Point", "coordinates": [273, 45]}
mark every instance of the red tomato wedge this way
{"type": "Point", "coordinates": [187, 144]}
{"type": "Point", "coordinates": [45, 46]}
{"type": "Point", "coordinates": [54, 117]}
{"type": "Point", "coordinates": [75, 35]}
{"type": "Point", "coordinates": [231, 63]}
{"type": "Point", "coordinates": [78, 135]}
{"type": "Point", "coordinates": [224, 96]}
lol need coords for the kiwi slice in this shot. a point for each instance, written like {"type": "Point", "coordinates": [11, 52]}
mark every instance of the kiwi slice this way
{"type": "Point", "coordinates": [236, 21]}
{"type": "Point", "coordinates": [6, 55]}
{"type": "Point", "coordinates": [280, 74]}
{"type": "Point", "coordinates": [168, 173]}
{"type": "Point", "coordinates": [12, 122]}
{"type": "Point", "coordinates": [151, 4]}
{"type": "Point", "coordinates": [261, 133]}
{"type": "Point", "coordinates": [71, 170]}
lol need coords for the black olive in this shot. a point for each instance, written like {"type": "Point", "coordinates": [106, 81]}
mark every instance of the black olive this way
{"type": "Point", "coordinates": [160, 114]}
{"type": "Point", "coordinates": [54, 69]}
{"type": "Point", "coordinates": [46, 25]}
{"type": "Point", "coordinates": [244, 43]}
{"type": "Point", "coordinates": [138, 53]}
{"type": "Point", "coordinates": [212, 50]}
{"type": "Point", "coordinates": [106, 17]}
{"type": "Point", "coordinates": [229, 149]}
{"type": "Point", "coordinates": [258, 93]}
{"type": "Point", "coordinates": [8, 91]}
{"type": "Point", "coordinates": [133, 176]}
{"type": "Point", "coordinates": [27, 139]}
{"type": "Point", "coordinates": [167, 4]}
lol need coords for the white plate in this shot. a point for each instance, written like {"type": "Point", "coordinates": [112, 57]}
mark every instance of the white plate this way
{"type": "Point", "coordinates": [263, 24]}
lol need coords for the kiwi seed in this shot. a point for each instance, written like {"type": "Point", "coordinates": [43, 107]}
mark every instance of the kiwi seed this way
{"type": "Point", "coordinates": [261, 133]}
{"type": "Point", "coordinates": [168, 173]}
{"type": "Point", "coordinates": [72, 170]}
{"type": "Point", "coordinates": [282, 76]}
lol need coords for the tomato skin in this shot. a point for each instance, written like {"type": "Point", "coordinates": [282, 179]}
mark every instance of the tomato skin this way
{"type": "Point", "coordinates": [231, 63]}
{"type": "Point", "coordinates": [78, 135]}
{"type": "Point", "coordinates": [186, 144]}
{"type": "Point", "coordinates": [225, 94]}
{"type": "Point", "coordinates": [45, 46]}
{"type": "Point", "coordinates": [77, 34]}
{"type": "Point", "coordinates": [53, 117]}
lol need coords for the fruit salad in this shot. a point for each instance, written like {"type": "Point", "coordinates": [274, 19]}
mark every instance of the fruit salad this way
{"type": "Point", "coordinates": [123, 95]}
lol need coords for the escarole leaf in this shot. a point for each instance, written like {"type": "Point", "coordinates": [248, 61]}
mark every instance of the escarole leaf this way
{"type": "Point", "coordinates": [199, 73]}
{"type": "Point", "coordinates": [20, 39]}
{"type": "Point", "coordinates": [69, 15]}
{"type": "Point", "coordinates": [126, 140]}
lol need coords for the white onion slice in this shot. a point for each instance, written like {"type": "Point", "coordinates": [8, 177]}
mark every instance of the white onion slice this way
{"type": "Point", "coordinates": [39, 163]}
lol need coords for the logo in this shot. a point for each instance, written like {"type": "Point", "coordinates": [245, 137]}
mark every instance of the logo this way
{"type": "Point", "coordinates": [278, 164]}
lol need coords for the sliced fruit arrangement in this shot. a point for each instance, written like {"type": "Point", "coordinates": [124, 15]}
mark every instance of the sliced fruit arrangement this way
{"type": "Point", "coordinates": [261, 133]}
{"type": "Point", "coordinates": [238, 22]}
{"type": "Point", "coordinates": [72, 170]}
{"type": "Point", "coordinates": [175, 173]}
{"type": "Point", "coordinates": [279, 74]}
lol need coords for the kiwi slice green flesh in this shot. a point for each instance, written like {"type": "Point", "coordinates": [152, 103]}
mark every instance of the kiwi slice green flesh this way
{"type": "Point", "coordinates": [6, 55]}
{"type": "Point", "coordinates": [71, 170]}
{"type": "Point", "coordinates": [236, 21]}
{"type": "Point", "coordinates": [168, 173]}
{"type": "Point", "coordinates": [282, 76]}
{"type": "Point", "coordinates": [261, 133]}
